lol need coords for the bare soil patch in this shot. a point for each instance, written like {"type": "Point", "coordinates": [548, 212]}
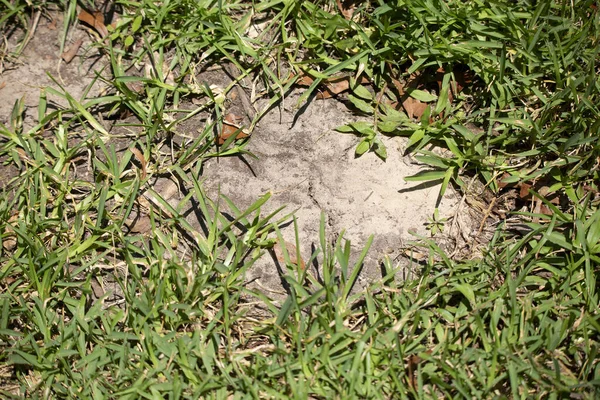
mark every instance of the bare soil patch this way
{"type": "Point", "coordinates": [26, 76]}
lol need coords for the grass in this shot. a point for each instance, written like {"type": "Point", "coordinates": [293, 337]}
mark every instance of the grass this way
{"type": "Point", "coordinates": [519, 321]}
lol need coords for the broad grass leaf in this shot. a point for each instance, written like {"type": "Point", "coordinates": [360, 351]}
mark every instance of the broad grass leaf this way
{"type": "Point", "coordinates": [137, 23]}
{"type": "Point", "coordinates": [362, 92]}
{"type": "Point", "coordinates": [467, 291]}
{"type": "Point", "coordinates": [421, 95]}
{"type": "Point", "coordinates": [361, 104]}
{"type": "Point", "coordinates": [416, 137]}
{"type": "Point", "coordinates": [444, 99]}
{"type": "Point", "coordinates": [593, 233]}
{"type": "Point", "coordinates": [430, 175]}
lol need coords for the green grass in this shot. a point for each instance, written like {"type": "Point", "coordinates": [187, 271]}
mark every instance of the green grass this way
{"type": "Point", "coordinates": [519, 321]}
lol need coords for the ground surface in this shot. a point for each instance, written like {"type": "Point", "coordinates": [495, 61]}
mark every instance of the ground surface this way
{"type": "Point", "coordinates": [301, 160]}
{"type": "Point", "coordinates": [137, 253]}
{"type": "Point", "coordinates": [312, 169]}
{"type": "Point", "coordinates": [29, 74]}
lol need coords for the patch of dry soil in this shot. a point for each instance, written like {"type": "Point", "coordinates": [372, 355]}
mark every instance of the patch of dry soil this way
{"type": "Point", "coordinates": [28, 75]}
{"type": "Point", "coordinates": [311, 168]}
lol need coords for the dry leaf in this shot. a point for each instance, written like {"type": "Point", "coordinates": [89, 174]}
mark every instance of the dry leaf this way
{"type": "Point", "coordinates": [96, 21]}
{"type": "Point", "coordinates": [346, 8]}
{"type": "Point", "coordinates": [333, 89]}
{"type": "Point", "coordinates": [2, 85]}
{"type": "Point", "coordinates": [232, 119]}
{"type": "Point", "coordinates": [140, 157]}
{"type": "Point", "coordinates": [304, 80]}
{"type": "Point", "coordinates": [71, 52]}
{"type": "Point", "coordinates": [586, 188]}
{"type": "Point", "coordinates": [413, 107]}
{"type": "Point", "coordinates": [10, 240]}
{"type": "Point", "coordinates": [97, 289]}
{"type": "Point", "coordinates": [411, 366]}
{"type": "Point", "coordinates": [231, 125]}
{"type": "Point", "coordinates": [415, 255]}
{"type": "Point", "coordinates": [501, 182]}
{"type": "Point", "coordinates": [332, 86]}
{"type": "Point", "coordinates": [524, 191]}
{"type": "Point", "coordinates": [292, 253]}
{"type": "Point", "coordinates": [463, 77]}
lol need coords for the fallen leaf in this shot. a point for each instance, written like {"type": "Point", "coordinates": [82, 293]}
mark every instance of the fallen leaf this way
{"type": "Point", "coordinates": [2, 85]}
{"type": "Point", "coordinates": [304, 80]}
{"type": "Point", "coordinates": [292, 253]}
{"type": "Point", "coordinates": [501, 182]}
{"type": "Point", "coordinates": [524, 190]}
{"type": "Point", "coordinates": [71, 52]}
{"type": "Point", "coordinates": [232, 119]}
{"type": "Point", "coordinates": [96, 21]}
{"type": "Point", "coordinates": [411, 366]}
{"type": "Point", "coordinates": [330, 87]}
{"type": "Point", "coordinates": [413, 107]}
{"type": "Point", "coordinates": [231, 126]}
{"type": "Point", "coordinates": [97, 288]}
{"type": "Point", "coordinates": [346, 8]}
{"type": "Point", "coordinates": [9, 281]}
{"type": "Point", "coordinates": [586, 188]}
{"type": "Point", "coordinates": [140, 157]}
{"type": "Point", "coordinates": [545, 210]}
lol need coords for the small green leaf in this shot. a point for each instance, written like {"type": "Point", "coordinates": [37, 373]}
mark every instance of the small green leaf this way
{"type": "Point", "coordinates": [128, 41]}
{"type": "Point", "coordinates": [361, 104]}
{"type": "Point", "coordinates": [362, 147]}
{"type": "Point", "coordinates": [380, 149]}
{"type": "Point", "coordinates": [387, 126]}
{"type": "Point", "coordinates": [137, 23]}
{"type": "Point", "coordinates": [467, 291]}
{"type": "Point", "coordinates": [421, 95]}
{"type": "Point", "coordinates": [416, 137]}
{"type": "Point", "coordinates": [363, 92]}
{"type": "Point", "coordinates": [345, 129]}
{"type": "Point", "coordinates": [361, 126]}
